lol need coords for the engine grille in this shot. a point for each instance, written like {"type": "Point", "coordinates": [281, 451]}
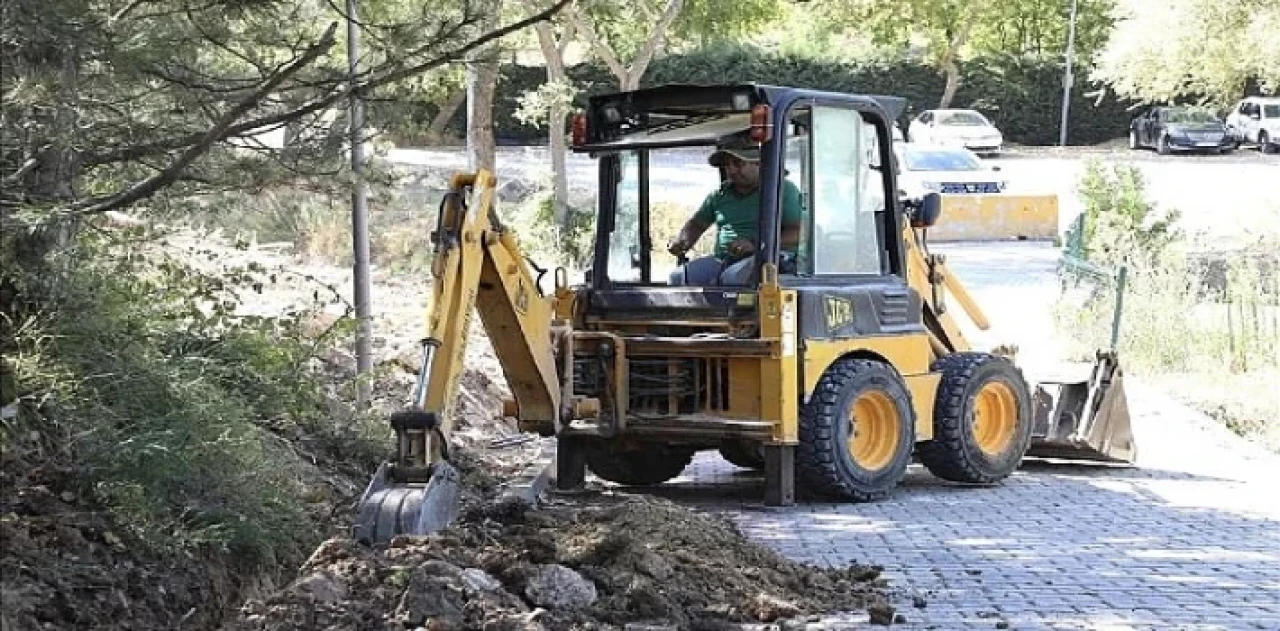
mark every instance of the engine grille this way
{"type": "Point", "coordinates": [658, 386]}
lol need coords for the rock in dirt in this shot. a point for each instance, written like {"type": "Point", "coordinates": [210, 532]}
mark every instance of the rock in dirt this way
{"type": "Point", "coordinates": [432, 597]}
{"type": "Point", "coordinates": [480, 581]}
{"type": "Point", "coordinates": [322, 587]}
{"type": "Point", "coordinates": [558, 587]}
{"type": "Point", "coordinates": [881, 613]}
{"type": "Point", "coordinates": [766, 608]}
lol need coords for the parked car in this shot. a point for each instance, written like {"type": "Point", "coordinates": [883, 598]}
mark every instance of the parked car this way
{"type": "Point", "coordinates": [1181, 128]}
{"type": "Point", "coordinates": [928, 168]}
{"type": "Point", "coordinates": [956, 127]}
{"type": "Point", "coordinates": [1256, 120]}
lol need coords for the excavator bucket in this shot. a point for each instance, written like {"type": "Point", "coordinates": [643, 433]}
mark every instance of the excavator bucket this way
{"type": "Point", "coordinates": [1084, 418]}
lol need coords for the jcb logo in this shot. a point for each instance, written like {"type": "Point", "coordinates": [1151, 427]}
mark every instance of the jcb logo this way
{"type": "Point", "coordinates": [839, 312]}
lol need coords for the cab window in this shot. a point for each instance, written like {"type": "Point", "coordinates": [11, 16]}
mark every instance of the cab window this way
{"type": "Point", "coordinates": [831, 153]}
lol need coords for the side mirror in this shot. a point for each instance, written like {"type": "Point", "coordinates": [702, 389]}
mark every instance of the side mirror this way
{"type": "Point", "coordinates": [995, 167]}
{"type": "Point", "coordinates": [926, 210]}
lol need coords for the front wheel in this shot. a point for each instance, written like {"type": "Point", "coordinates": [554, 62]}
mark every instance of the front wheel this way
{"type": "Point", "coordinates": [857, 432]}
{"type": "Point", "coordinates": [1133, 139]}
{"type": "Point", "coordinates": [981, 419]}
{"type": "Point", "coordinates": [1264, 143]}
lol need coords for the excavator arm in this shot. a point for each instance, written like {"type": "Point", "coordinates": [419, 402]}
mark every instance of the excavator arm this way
{"type": "Point", "coordinates": [477, 267]}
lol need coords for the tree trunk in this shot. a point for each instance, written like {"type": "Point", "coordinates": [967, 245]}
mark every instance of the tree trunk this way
{"type": "Point", "coordinates": [482, 77]}
{"type": "Point", "coordinates": [952, 71]}
{"type": "Point", "coordinates": [440, 122]}
{"type": "Point", "coordinates": [482, 80]}
{"type": "Point", "coordinates": [949, 65]}
{"type": "Point", "coordinates": [553, 53]}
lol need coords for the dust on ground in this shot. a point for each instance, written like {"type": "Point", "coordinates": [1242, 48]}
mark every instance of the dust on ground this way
{"type": "Point", "coordinates": [597, 561]}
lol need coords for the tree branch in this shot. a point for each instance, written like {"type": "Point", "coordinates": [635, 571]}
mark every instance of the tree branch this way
{"type": "Point", "coordinates": [27, 167]}
{"type": "Point", "coordinates": [646, 52]}
{"type": "Point", "coordinates": [340, 92]}
{"type": "Point", "coordinates": [597, 44]}
{"type": "Point", "coordinates": [154, 183]}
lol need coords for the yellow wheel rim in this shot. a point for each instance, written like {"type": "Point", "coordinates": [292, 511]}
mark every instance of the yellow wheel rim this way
{"type": "Point", "coordinates": [995, 418]}
{"type": "Point", "coordinates": [873, 434]}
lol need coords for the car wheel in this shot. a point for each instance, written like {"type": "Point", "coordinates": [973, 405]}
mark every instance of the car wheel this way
{"type": "Point", "coordinates": [1133, 139]}
{"type": "Point", "coordinates": [1162, 145]}
{"type": "Point", "coordinates": [1264, 143]}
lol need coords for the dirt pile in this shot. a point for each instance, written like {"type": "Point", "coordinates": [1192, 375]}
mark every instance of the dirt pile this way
{"type": "Point", "coordinates": [65, 563]}
{"type": "Point", "coordinates": [596, 561]}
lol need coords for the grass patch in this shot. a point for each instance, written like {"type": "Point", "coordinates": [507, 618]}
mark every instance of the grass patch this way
{"type": "Point", "coordinates": [1204, 325]}
{"type": "Point", "coordinates": [179, 415]}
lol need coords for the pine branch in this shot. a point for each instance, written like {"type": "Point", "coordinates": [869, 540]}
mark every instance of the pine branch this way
{"type": "Point", "coordinates": [169, 174]}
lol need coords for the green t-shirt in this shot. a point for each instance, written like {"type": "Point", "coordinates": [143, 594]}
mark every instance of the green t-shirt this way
{"type": "Point", "coordinates": [736, 216]}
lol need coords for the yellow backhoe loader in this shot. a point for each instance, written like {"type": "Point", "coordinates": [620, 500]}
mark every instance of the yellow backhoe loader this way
{"type": "Point", "coordinates": [832, 367]}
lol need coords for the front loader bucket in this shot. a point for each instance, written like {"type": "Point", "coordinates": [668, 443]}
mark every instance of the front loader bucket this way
{"type": "Point", "coordinates": [1084, 419]}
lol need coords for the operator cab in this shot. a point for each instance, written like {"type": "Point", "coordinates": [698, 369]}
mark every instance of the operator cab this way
{"type": "Point", "coordinates": [833, 147]}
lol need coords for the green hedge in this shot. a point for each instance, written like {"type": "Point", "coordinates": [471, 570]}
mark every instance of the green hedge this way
{"type": "Point", "coordinates": [1022, 96]}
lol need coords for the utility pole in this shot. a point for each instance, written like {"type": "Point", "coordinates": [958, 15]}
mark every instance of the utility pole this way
{"type": "Point", "coordinates": [1067, 78]}
{"type": "Point", "coordinates": [359, 216]}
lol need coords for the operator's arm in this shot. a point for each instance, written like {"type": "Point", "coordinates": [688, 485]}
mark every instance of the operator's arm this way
{"type": "Point", "coordinates": [791, 216]}
{"type": "Point", "coordinates": [693, 229]}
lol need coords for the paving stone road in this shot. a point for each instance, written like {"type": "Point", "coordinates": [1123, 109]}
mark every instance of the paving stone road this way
{"type": "Point", "coordinates": [1188, 539]}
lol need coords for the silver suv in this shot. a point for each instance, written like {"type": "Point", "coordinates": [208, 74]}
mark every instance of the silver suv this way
{"type": "Point", "coordinates": [1257, 120]}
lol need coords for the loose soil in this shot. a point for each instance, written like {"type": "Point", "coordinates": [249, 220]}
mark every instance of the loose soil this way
{"type": "Point", "coordinates": [648, 561]}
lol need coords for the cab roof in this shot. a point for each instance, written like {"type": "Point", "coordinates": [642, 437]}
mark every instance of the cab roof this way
{"type": "Point", "coordinates": [682, 114]}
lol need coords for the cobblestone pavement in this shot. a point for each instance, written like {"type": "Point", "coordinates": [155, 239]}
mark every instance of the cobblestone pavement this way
{"type": "Point", "coordinates": [1188, 539]}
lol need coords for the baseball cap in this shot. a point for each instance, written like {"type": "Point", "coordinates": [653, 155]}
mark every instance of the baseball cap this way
{"type": "Point", "coordinates": [736, 146]}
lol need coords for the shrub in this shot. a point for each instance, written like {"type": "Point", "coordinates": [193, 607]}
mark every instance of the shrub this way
{"type": "Point", "coordinates": [1120, 225]}
{"type": "Point", "coordinates": [176, 408]}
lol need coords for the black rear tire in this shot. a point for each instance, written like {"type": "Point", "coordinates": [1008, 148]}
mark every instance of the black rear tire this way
{"type": "Point", "coordinates": [960, 451]}
{"type": "Point", "coordinates": [637, 464]}
{"type": "Point", "coordinates": [1266, 144]}
{"type": "Point", "coordinates": [744, 454]}
{"type": "Point", "coordinates": [825, 457]}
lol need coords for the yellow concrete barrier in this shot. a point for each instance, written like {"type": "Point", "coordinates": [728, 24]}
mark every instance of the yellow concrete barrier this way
{"type": "Point", "coordinates": [996, 217]}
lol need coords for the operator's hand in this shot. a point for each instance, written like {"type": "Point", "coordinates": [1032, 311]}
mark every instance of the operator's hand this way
{"type": "Point", "coordinates": [677, 247]}
{"type": "Point", "coordinates": [740, 247]}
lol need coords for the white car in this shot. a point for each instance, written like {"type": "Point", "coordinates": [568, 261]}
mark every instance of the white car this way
{"type": "Point", "coordinates": [961, 128]}
{"type": "Point", "coordinates": [1256, 120]}
{"type": "Point", "coordinates": [924, 168]}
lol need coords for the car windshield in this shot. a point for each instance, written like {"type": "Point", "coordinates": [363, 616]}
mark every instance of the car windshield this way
{"type": "Point", "coordinates": [966, 119]}
{"type": "Point", "coordinates": [1189, 116]}
{"type": "Point", "coordinates": [1271, 111]}
{"type": "Point", "coordinates": [940, 160]}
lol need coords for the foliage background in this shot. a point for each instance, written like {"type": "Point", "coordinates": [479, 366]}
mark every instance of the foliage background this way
{"type": "Point", "coordinates": [1021, 94]}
